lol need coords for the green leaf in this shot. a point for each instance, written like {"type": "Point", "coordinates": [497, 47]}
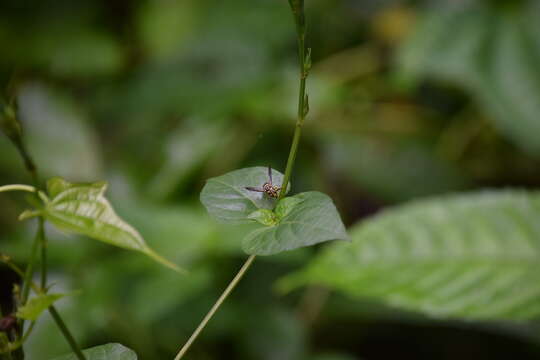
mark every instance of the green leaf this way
{"type": "Point", "coordinates": [83, 209]}
{"type": "Point", "coordinates": [264, 216]}
{"type": "Point", "coordinates": [57, 134]}
{"type": "Point", "coordinates": [493, 54]}
{"type": "Point", "coordinates": [472, 256]}
{"type": "Point", "coordinates": [311, 220]}
{"type": "Point", "coordinates": [113, 351]}
{"type": "Point", "coordinates": [227, 199]}
{"type": "Point", "coordinates": [36, 305]}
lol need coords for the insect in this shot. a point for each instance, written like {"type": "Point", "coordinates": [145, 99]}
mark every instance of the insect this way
{"type": "Point", "coordinates": [268, 188]}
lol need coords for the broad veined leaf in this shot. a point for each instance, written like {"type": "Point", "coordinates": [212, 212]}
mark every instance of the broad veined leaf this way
{"type": "Point", "coordinates": [227, 199]}
{"type": "Point", "coordinates": [493, 54]}
{"type": "Point", "coordinates": [36, 305]}
{"type": "Point", "coordinates": [111, 351]}
{"type": "Point", "coordinates": [302, 220]}
{"type": "Point", "coordinates": [473, 256]}
{"type": "Point", "coordinates": [83, 209]}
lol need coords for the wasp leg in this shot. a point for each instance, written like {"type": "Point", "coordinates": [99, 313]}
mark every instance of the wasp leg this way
{"type": "Point", "coordinates": [254, 189]}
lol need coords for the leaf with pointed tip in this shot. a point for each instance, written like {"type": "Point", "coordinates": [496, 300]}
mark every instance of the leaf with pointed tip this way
{"type": "Point", "coordinates": [471, 256]}
{"type": "Point", "coordinates": [112, 351]}
{"type": "Point", "coordinates": [227, 199]}
{"type": "Point", "coordinates": [83, 209]}
{"type": "Point", "coordinates": [37, 305]}
{"type": "Point", "coordinates": [307, 218]}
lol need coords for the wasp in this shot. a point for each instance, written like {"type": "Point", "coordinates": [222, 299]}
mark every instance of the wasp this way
{"type": "Point", "coordinates": [268, 188]}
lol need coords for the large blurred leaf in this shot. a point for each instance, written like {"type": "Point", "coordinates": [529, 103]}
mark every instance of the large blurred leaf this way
{"type": "Point", "coordinates": [227, 199]}
{"type": "Point", "coordinates": [393, 170]}
{"type": "Point", "coordinates": [83, 209]}
{"type": "Point", "coordinates": [61, 46]}
{"type": "Point", "coordinates": [186, 149]}
{"type": "Point", "coordinates": [493, 53]}
{"type": "Point", "coordinates": [164, 26]}
{"type": "Point", "coordinates": [473, 256]}
{"type": "Point", "coordinates": [111, 351]}
{"type": "Point", "coordinates": [308, 218]}
{"type": "Point", "coordinates": [57, 135]}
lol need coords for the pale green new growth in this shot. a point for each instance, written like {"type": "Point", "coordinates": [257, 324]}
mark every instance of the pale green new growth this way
{"type": "Point", "coordinates": [264, 216]}
{"type": "Point", "coordinates": [37, 305]}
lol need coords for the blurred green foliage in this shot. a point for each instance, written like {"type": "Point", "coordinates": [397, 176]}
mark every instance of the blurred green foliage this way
{"type": "Point", "coordinates": [408, 99]}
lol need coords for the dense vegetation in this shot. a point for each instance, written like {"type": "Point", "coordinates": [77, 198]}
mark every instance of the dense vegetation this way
{"type": "Point", "coordinates": [422, 128]}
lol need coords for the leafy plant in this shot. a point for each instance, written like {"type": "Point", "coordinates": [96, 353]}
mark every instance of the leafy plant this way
{"type": "Point", "coordinates": [256, 195]}
{"type": "Point", "coordinates": [77, 208]}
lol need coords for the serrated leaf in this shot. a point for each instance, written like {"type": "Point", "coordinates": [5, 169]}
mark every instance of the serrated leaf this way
{"type": "Point", "coordinates": [471, 256]}
{"type": "Point", "coordinates": [227, 199]}
{"type": "Point", "coordinates": [83, 209]}
{"type": "Point", "coordinates": [493, 54]}
{"type": "Point", "coordinates": [312, 220]}
{"type": "Point", "coordinates": [113, 351]}
{"type": "Point", "coordinates": [37, 305]}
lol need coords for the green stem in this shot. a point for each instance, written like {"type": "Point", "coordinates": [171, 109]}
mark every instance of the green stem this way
{"type": "Point", "coordinates": [65, 331]}
{"type": "Point", "coordinates": [29, 271]}
{"type": "Point", "coordinates": [17, 187]}
{"type": "Point", "coordinates": [297, 7]}
{"type": "Point", "coordinates": [43, 242]}
{"type": "Point", "coordinates": [216, 306]}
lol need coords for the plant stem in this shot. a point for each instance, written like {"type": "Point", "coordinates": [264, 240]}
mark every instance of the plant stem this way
{"type": "Point", "coordinates": [297, 7]}
{"type": "Point", "coordinates": [43, 241]}
{"type": "Point", "coordinates": [27, 281]}
{"type": "Point", "coordinates": [67, 335]}
{"type": "Point", "coordinates": [17, 187]}
{"type": "Point", "coordinates": [216, 306]}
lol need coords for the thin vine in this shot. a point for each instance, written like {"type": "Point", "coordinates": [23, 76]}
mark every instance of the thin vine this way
{"type": "Point", "coordinates": [297, 7]}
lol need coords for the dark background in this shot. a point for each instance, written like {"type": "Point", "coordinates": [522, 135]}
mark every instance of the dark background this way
{"type": "Point", "coordinates": [408, 99]}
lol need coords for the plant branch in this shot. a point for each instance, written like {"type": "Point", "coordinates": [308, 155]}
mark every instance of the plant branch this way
{"type": "Point", "coordinates": [17, 187]}
{"type": "Point", "coordinates": [304, 59]}
{"type": "Point", "coordinates": [216, 306]}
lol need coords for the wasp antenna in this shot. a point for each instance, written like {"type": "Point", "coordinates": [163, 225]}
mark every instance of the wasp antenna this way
{"type": "Point", "coordinates": [270, 174]}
